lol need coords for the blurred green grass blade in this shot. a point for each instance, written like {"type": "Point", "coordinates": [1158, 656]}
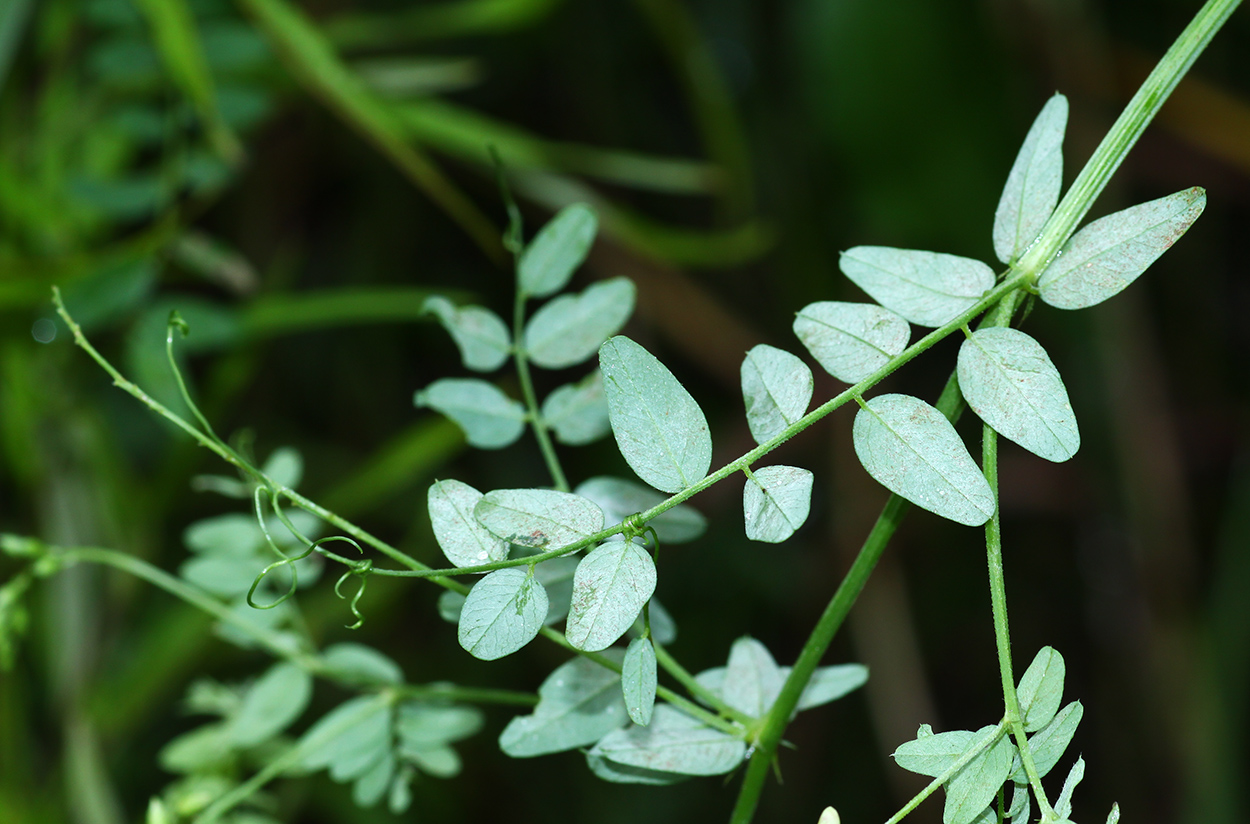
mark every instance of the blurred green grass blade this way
{"type": "Point", "coordinates": [711, 100]}
{"type": "Point", "coordinates": [178, 41]}
{"type": "Point", "coordinates": [161, 654]}
{"type": "Point", "coordinates": [284, 314]}
{"type": "Point", "coordinates": [314, 62]}
{"type": "Point", "coordinates": [14, 15]}
{"type": "Point", "coordinates": [671, 244]}
{"type": "Point", "coordinates": [466, 134]}
{"type": "Point", "coordinates": [412, 455]}
{"type": "Point", "coordinates": [468, 17]}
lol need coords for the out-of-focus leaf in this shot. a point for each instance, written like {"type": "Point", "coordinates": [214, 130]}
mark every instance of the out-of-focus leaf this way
{"type": "Point", "coordinates": [619, 499]}
{"type": "Point", "coordinates": [480, 334]}
{"type": "Point", "coordinates": [673, 742]}
{"type": "Point", "coordinates": [570, 328]}
{"type": "Point", "coordinates": [561, 246]}
{"type": "Point", "coordinates": [578, 412]}
{"type": "Point", "coordinates": [489, 418]}
{"type": "Point", "coordinates": [271, 705]}
{"type": "Point", "coordinates": [579, 703]}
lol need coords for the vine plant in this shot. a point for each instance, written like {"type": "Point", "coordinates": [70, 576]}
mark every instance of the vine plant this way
{"type": "Point", "coordinates": [526, 561]}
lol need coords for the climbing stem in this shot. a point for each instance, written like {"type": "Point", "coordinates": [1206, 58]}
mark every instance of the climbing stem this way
{"type": "Point", "coordinates": [1002, 632]}
{"type": "Point", "coordinates": [539, 424]}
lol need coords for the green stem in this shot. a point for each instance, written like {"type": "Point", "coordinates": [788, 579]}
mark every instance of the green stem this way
{"type": "Point", "coordinates": [960, 763]}
{"type": "Point", "coordinates": [1002, 632]}
{"type": "Point", "coordinates": [467, 695]}
{"type": "Point", "coordinates": [670, 665]}
{"type": "Point", "coordinates": [196, 598]}
{"type": "Point", "coordinates": [537, 421]}
{"type": "Point", "coordinates": [830, 622]}
{"type": "Point", "coordinates": [1141, 109]}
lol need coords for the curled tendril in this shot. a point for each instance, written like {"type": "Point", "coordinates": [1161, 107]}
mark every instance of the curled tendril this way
{"type": "Point", "coordinates": [360, 570]}
{"type": "Point", "coordinates": [313, 546]}
{"type": "Point", "coordinates": [294, 579]}
{"type": "Point", "coordinates": [634, 526]}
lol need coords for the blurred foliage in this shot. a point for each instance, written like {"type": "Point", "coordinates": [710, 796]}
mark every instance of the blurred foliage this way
{"type": "Point", "coordinates": [295, 178]}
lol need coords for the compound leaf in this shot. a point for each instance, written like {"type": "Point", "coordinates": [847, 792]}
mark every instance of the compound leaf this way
{"type": "Point", "coordinates": [350, 738]}
{"type": "Point", "coordinates": [502, 613]}
{"type": "Point", "coordinates": [1110, 253]}
{"type": "Point", "coordinates": [609, 589]}
{"type": "Point", "coordinates": [489, 418]}
{"type": "Point", "coordinates": [971, 790]}
{"type": "Point", "coordinates": [620, 498]}
{"type": "Point", "coordinates": [538, 518]}
{"type": "Point", "coordinates": [672, 743]}
{"type": "Point", "coordinates": [752, 678]}
{"type": "Point", "coordinates": [1063, 806]}
{"type": "Point", "coordinates": [912, 450]}
{"type": "Point", "coordinates": [1041, 689]}
{"type": "Point", "coordinates": [775, 502]}
{"type": "Point", "coordinates": [1032, 188]}
{"type": "Point", "coordinates": [1048, 743]}
{"type": "Point", "coordinates": [851, 340]}
{"type": "Point", "coordinates": [830, 683]}
{"type": "Point", "coordinates": [360, 665]}
{"type": "Point", "coordinates": [463, 540]}
{"type": "Point", "coordinates": [579, 703]}
{"type": "Point", "coordinates": [1009, 381]}
{"type": "Point", "coordinates": [625, 774]}
{"type": "Point", "coordinates": [933, 754]}
{"type": "Point", "coordinates": [638, 680]}
{"type": "Point", "coordinates": [578, 412]}
{"type": "Point", "coordinates": [777, 387]}
{"type": "Point", "coordinates": [659, 428]}
{"type": "Point", "coordinates": [424, 726]}
{"type": "Point", "coordinates": [926, 288]}
{"type": "Point", "coordinates": [556, 251]}
{"type": "Point", "coordinates": [370, 787]}
{"type": "Point", "coordinates": [570, 328]}
{"type": "Point", "coordinates": [480, 335]}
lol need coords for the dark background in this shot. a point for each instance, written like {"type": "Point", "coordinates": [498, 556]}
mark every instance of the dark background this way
{"type": "Point", "coordinates": [825, 124]}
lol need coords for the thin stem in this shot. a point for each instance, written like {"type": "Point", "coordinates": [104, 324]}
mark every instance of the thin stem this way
{"type": "Point", "coordinates": [1141, 109]}
{"type": "Point", "coordinates": [531, 400]}
{"type": "Point", "coordinates": [985, 743]}
{"type": "Point", "coordinates": [180, 589]}
{"type": "Point", "coordinates": [248, 788]}
{"type": "Point", "coordinates": [467, 695]}
{"type": "Point", "coordinates": [1002, 632]}
{"type": "Point", "coordinates": [669, 664]}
